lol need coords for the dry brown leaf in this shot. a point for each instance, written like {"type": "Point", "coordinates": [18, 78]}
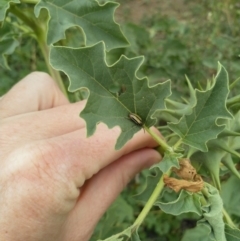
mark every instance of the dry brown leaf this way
{"type": "Point", "coordinates": [186, 170]}
{"type": "Point", "coordinates": [177, 185]}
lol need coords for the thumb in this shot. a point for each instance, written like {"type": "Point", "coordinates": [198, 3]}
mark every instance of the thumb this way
{"type": "Point", "coordinates": [103, 188]}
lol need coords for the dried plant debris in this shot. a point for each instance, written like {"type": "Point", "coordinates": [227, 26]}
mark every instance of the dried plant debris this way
{"type": "Point", "coordinates": [190, 180]}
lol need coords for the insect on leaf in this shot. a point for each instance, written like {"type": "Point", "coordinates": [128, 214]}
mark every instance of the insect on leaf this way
{"type": "Point", "coordinates": [87, 68]}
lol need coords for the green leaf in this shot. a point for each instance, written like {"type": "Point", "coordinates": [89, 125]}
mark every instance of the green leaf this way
{"type": "Point", "coordinates": [169, 160]}
{"type": "Point", "coordinates": [201, 232]}
{"type": "Point", "coordinates": [228, 162]}
{"type": "Point", "coordinates": [232, 234]}
{"type": "Point", "coordinates": [211, 161]}
{"type": "Point", "coordinates": [149, 186]}
{"type": "Point", "coordinates": [178, 109]}
{"type": "Point", "coordinates": [185, 203]}
{"type": "Point", "coordinates": [201, 126]}
{"type": "Point", "coordinates": [4, 6]}
{"type": "Point", "coordinates": [95, 20]}
{"type": "Point", "coordinates": [212, 212]}
{"type": "Point", "coordinates": [7, 44]}
{"type": "Point", "coordinates": [229, 193]}
{"type": "Point", "coordinates": [86, 68]}
{"type": "Point", "coordinates": [115, 220]}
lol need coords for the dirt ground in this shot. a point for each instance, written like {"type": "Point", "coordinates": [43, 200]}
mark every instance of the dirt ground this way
{"type": "Point", "coordinates": [135, 10]}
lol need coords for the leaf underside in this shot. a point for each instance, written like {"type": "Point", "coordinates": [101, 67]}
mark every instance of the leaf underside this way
{"type": "Point", "coordinates": [87, 68]}
{"type": "Point", "coordinates": [95, 20]}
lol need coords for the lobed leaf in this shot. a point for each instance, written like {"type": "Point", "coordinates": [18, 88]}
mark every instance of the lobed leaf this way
{"type": "Point", "coordinates": [4, 6]}
{"type": "Point", "coordinates": [212, 212]}
{"type": "Point", "coordinates": [149, 186]}
{"type": "Point", "coordinates": [95, 20]}
{"type": "Point", "coordinates": [115, 91]}
{"type": "Point", "coordinates": [201, 125]}
{"type": "Point", "coordinates": [169, 161]}
{"type": "Point", "coordinates": [201, 232]}
{"type": "Point", "coordinates": [185, 203]}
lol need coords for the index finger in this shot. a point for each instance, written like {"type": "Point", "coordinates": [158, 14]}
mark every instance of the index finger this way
{"type": "Point", "coordinates": [37, 91]}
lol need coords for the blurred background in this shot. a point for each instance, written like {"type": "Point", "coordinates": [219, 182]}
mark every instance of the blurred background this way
{"type": "Point", "coordinates": [178, 38]}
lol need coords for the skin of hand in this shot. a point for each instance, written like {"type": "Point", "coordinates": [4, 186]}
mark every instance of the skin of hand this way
{"type": "Point", "coordinates": [55, 183]}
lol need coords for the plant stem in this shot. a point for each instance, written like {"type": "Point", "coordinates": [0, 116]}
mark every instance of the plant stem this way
{"type": "Point", "coordinates": [54, 73]}
{"type": "Point", "coordinates": [17, 12]}
{"type": "Point", "coordinates": [40, 34]}
{"type": "Point", "coordinates": [177, 144]}
{"type": "Point", "coordinates": [157, 191]}
{"type": "Point", "coordinates": [234, 83]}
{"type": "Point", "coordinates": [159, 140]}
{"type": "Point", "coordinates": [228, 219]}
{"type": "Point", "coordinates": [233, 100]}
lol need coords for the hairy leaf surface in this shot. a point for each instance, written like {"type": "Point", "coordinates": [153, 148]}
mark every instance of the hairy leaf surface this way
{"type": "Point", "coordinates": [201, 125]}
{"type": "Point", "coordinates": [4, 6]}
{"type": "Point", "coordinates": [232, 234]}
{"type": "Point", "coordinates": [201, 232]}
{"type": "Point", "coordinates": [95, 20]}
{"type": "Point", "coordinates": [185, 203]}
{"type": "Point", "coordinates": [212, 212]}
{"type": "Point", "coordinates": [115, 91]}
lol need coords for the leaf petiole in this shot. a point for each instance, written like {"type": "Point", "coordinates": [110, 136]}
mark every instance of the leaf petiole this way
{"type": "Point", "coordinates": [157, 191]}
{"type": "Point", "coordinates": [228, 219]}
{"type": "Point", "coordinates": [159, 140]}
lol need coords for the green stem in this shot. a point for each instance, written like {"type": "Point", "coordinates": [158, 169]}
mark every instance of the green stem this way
{"type": "Point", "coordinates": [159, 140]}
{"type": "Point", "coordinates": [177, 144]}
{"type": "Point", "coordinates": [157, 191]}
{"type": "Point", "coordinates": [228, 219]}
{"type": "Point", "coordinates": [233, 100]}
{"type": "Point", "coordinates": [20, 14]}
{"type": "Point", "coordinates": [40, 34]}
{"type": "Point", "coordinates": [54, 73]}
{"type": "Point", "coordinates": [234, 83]}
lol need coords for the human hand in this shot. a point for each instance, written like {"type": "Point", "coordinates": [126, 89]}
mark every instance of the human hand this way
{"type": "Point", "coordinates": [55, 184]}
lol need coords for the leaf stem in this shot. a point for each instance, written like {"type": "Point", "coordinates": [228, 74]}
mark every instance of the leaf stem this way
{"type": "Point", "coordinates": [157, 191]}
{"type": "Point", "coordinates": [159, 140]}
{"type": "Point", "coordinates": [228, 219]}
{"type": "Point", "coordinates": [177, 144]}
{"type": "Point", "coordinates": [233, 100]}
{"type": "Point", "coordinates": [20, 14]}
{"type": "Point", "coordinates": [54, 73]}
{"type": "Point", "coordinates": [40, 34]}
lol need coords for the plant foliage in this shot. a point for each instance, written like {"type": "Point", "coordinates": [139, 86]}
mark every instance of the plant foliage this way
{"type": "Point", "coordinates": [200, 127]}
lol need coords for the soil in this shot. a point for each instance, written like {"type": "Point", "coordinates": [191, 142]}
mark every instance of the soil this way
{"type": "Point", "coordinates": [135, 10]}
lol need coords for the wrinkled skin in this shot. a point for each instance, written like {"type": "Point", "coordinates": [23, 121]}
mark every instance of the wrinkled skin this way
{"type": "Point", "coordinates": [55, 184]}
